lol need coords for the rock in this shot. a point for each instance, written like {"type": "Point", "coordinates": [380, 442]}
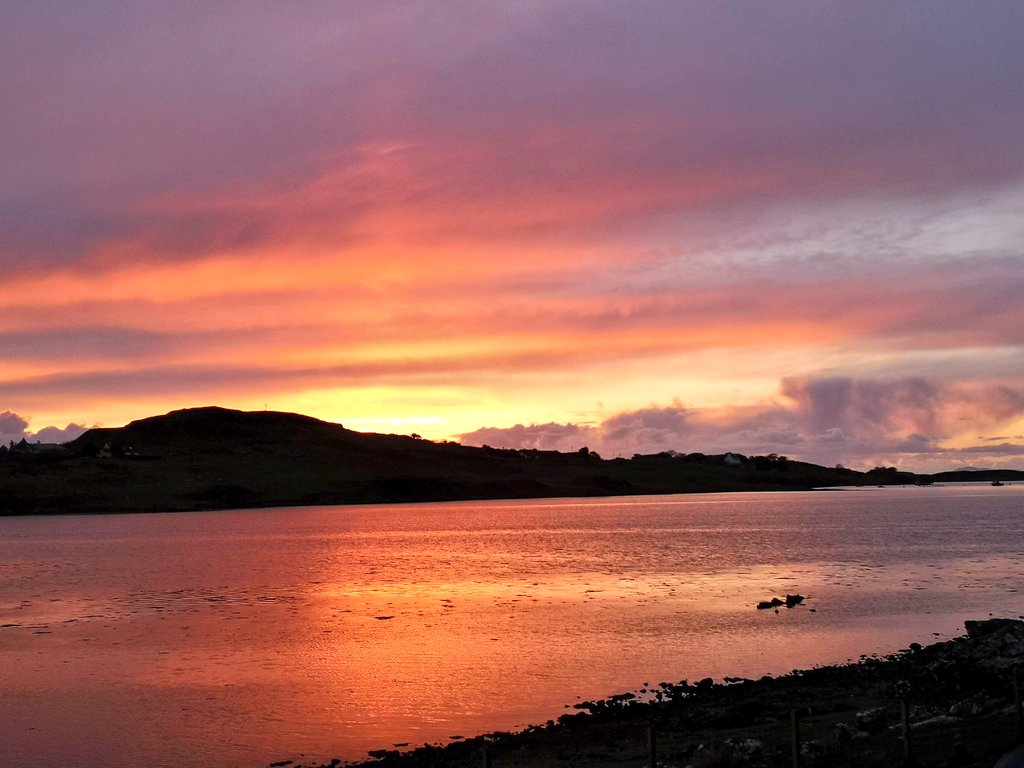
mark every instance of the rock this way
{"type": "Point", "coordinates": [946, 720]}
{"type": "Point", "coordinates": [983, 627]}
{"type": "Point", "coordinates": [922, 712]}
{"type": "Point", "coordinates": [1014, 759]}
{"type": "Point", "coordinates": [876, 719]}
{"type": "Point", "coordinates": [965, 708]}
{"type": "Point", "coordinates": [845, 733]}
{"type": "Point", "coordinates": [747, 748]}
{"type": "Point", "coordinates": [776, 602]}
{"type": "Point", "coordinates": [974, 706]}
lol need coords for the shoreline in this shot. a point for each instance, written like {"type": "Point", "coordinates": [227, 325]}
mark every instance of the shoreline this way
{"type": "Point", "coordinates": [271, 506]}
{"type": "Point", "coordinates": [958, 696]}
{"type": "Point", "coordinates": [278, 505]}
{"type": "Point", "coordinates": [204, 459]}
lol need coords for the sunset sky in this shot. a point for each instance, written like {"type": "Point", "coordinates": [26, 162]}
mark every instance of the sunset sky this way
{"type": "Point", "coordinates": [762, 227]}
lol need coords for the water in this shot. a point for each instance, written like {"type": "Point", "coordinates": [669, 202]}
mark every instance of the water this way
{"type": "Point", "coordinates": [237, 638]}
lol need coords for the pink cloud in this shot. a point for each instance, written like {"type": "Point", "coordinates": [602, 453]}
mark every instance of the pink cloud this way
{"type": "Point", "coordinates": [14, 428]}
{"type": "Point", "coordinates": [859, 423]}
{"type": "Point", "coordinates": [512, 114]}
{"type": "Point", "coordinates": [204, 200]}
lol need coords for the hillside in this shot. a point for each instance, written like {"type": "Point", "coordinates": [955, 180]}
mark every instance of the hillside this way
{"type": "Point", "coordinates": [215, 458]}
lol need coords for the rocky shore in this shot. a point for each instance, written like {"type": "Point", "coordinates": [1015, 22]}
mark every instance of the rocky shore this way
{"type": "Point", "coordinates": [954, 703]}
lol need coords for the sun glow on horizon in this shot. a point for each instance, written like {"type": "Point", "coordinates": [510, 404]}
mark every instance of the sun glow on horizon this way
{"type": "Point", "coordinates": [397, 219]}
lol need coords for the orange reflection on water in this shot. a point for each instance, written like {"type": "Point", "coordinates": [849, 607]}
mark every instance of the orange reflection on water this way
{"type": "Point", "coordinates": [245, 637]}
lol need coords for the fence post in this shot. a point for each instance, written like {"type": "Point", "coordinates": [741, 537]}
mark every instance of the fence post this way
{"type": "Point", "coordinates": [488, 762]}
{"type": "Point", "coordinates": [1017, 703]}
{"type": "Point", "coordinates": [908, 755]}
{"type": "Point", "coordinates": [652, 744]}
{"type": "Point", "coordinates": [794, 720]}
{"type": "Point", "coordinates": [959, 756]}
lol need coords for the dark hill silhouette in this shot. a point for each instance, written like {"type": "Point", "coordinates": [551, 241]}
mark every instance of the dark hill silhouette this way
{"type": "Point", "coordinates": [216, 458]}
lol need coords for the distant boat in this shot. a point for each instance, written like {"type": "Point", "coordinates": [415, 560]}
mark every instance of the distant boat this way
{"type": "Point", "coordinates": [997, 482]}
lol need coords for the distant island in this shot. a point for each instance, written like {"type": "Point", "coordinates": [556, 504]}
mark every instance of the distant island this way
{"type": "Point", "coordinates": [216, 458]}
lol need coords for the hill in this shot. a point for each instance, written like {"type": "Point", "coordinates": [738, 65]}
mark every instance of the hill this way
{"type": "Point", "coordinates": [215, 458]}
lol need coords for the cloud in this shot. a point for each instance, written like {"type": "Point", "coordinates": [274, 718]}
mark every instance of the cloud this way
{"type": "Point", "coordinates": [551, 436]}
{"type": "Point", "coordinates": [242, 199]}
{"type": "Point", "coordinates": [58, 435]}
{"type": "Point", "coordinates": [538, 114]}
{"type": "Point", "coordinates": [661, 428]}
{"type": "Point", "coordinates": [859, 423]}
{"type": "Point", "coordinates": [1000, 450]}
{"type": "Point", "coordinates": [868, 409]}
{"type": "Point", "coordinates": [78, 343]}
{"type": "Point", "coordinates": [14, 428]}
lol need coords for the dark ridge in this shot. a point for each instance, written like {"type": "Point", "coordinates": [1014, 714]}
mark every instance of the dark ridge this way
{"type": "Point", "coordinates": [217, 458]}
{"type": "Point", "coordinates": [977, 475]}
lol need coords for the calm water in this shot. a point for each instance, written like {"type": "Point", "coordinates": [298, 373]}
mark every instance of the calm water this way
{"type": "Point", "coordinates": [238, 638]}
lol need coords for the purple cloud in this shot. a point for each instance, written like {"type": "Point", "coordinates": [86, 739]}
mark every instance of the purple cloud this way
{"type": "Point", "coordinates": [58, 435]}
{"type": "Point", "coordinates": [14, 428]}
{"type": "Point", "coordinates": [658, 160]}
{"type": "Point", "coordinates": [859, 423]}
{"type": "Point", "coordinates": [107, 105]}
{"type": "Point", "coordinates": [865, 408]}
{"type": "Point", "coordinates": [551, 436]}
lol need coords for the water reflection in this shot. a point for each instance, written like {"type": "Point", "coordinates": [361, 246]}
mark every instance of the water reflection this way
{"type": "Point", "coordinates": [236, 638]}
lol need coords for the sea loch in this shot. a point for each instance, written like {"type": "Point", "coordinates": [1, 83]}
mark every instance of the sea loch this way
{"type": "Point", "coordinates": [241, 637]}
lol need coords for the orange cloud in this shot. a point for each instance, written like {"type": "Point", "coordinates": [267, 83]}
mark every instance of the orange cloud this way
{"type": "Point", "coordinates": [488, 203]}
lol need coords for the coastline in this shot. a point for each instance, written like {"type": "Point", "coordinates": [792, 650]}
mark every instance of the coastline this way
{"type": "Point", "coordinates": [206, 459]}
{"type": "Point", "coordinates": [960, 698]}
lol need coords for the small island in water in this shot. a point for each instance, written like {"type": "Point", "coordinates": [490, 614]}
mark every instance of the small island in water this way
{"type": "Point", "coordinates": [216, 458]}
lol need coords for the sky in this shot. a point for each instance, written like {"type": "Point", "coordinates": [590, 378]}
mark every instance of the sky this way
{"type": "Point", "coordinates": [785, 227]}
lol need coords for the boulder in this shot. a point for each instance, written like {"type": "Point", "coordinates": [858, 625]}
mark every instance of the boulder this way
{"type": "Point", "coordinates": [876, 719]}
{"type": "Point", "coordinates": [983, 627]}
